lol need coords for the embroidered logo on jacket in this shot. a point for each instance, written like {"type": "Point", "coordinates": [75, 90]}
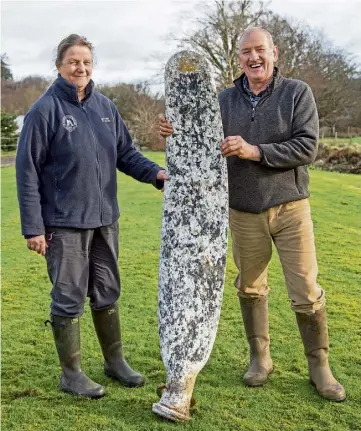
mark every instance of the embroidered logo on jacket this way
{"type": "Point", "coordinates": [70, 123]}
{"type": "Point", "coordinates": [106, 120]}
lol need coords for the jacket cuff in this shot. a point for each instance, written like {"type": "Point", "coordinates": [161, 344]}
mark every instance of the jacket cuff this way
{"type": "Point", "coordinates": [35, 231]}
{"type": "Point", "coordinates": [261, 152]}
{"type": "Point", "coordinates": [158, 184]}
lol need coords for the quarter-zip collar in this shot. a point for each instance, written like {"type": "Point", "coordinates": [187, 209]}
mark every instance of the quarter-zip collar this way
{"type": "Point", "coordinates": [277, 78]}
{"type": "Point", "coordinates": [69, 91]}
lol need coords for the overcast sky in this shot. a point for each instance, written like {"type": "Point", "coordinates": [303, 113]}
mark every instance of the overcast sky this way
{"type": "Point", "coordinates": [131, 36]}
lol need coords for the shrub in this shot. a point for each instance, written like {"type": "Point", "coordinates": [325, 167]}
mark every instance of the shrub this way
{"type": "Point", "coordinates": [339, 159]}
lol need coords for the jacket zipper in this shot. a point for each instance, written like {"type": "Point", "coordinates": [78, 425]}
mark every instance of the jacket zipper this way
{"type": "Point", "coordinates": [253, 115]}
{"type": "Point", "coordinates": [98, 166]}
{"type": "Point", "coordinates": [261, 102]}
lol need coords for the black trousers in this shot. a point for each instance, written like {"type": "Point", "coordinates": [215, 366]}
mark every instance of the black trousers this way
{"type": "Point", "coordinates": [81, 263]}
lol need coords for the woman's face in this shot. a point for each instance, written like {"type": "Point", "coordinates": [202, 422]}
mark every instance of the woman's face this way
{"type": "Point", "coordinates": [77, 66]}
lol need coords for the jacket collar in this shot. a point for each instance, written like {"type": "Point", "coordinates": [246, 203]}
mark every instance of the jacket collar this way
{"type": "Point", "coordinates": [68, 91]}
{"type": "Point", "coordinates": [277, 78]}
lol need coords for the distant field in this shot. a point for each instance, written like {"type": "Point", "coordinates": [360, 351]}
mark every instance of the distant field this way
{"type": "Point", "coordinates": [31, 400]}
{"type": "Point", "coordinates": [342, 141]}
{"type": "Point", "coordinates": [8, 153]}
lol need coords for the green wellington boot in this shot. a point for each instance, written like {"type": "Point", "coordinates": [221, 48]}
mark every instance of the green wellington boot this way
{"type": "Point", "coordinates": [255, 319]}
{"type": "Point", "coordinates": [66, 333]}
{"type": "Point", "coordinates": [107, 326]}
{"type": "Point", "coordinates": [314, 334]}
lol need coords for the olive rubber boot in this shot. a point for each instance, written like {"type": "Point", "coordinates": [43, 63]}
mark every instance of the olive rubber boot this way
{"type": "Point", "coordinates": [314, 334]}
{"type": "Point", "coordinates": [66, 333]}
{"type": "Point", "coordinates": [255, 319]}
{"type": "Point", "coordinates": [107, 326]}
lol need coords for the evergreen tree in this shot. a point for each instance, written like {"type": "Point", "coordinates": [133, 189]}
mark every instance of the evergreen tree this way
{"type": "Point", "coordinates": [5, 69]}
{"type": "Point", "coordinates": [9, 135]}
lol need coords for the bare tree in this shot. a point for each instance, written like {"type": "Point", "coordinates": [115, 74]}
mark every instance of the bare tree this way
{"type": "Point", "coordinates": [18, 96]}
{"type": "Point", "coordinates": [355, 111]}
{"type": "Point", "coordinates": [332, 78]}
{"type": "Point", "coordinates": [217, 37]}
{"type": "Point", "coordinates": [296, 43]}
{"type": "Point", "coordinates": [304, 54]}
{"type": "Point", "coordinates": [139, 109]}
{"type": "Point", "coordinates": [145, 126]}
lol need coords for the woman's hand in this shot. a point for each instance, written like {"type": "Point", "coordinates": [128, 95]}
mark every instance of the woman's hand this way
{"type": "Point", "coordinates": [162, 175]}
{"type": "Point", "coordinates": [38, 244]}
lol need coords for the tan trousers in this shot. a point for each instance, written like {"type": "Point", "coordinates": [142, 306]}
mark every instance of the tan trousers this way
{"type": "Point", "coordinates": [290, 227]}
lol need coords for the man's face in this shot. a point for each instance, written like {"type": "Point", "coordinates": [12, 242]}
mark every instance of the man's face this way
{"type": "Point", "coordinates": [257, 56]}
{"type": "Point", "coordinates": [77, 65]}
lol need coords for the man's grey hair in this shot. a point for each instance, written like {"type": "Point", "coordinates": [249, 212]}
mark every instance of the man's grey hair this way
{"type": "Point", "coordinates": [252, 29]}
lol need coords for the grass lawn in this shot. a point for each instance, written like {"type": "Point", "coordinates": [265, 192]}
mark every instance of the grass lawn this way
{"type": "Point", "coordinates": [30, 371]}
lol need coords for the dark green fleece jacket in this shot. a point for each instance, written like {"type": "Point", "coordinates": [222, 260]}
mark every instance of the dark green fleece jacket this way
{"type": "Point", "coordinates": [284, 125]}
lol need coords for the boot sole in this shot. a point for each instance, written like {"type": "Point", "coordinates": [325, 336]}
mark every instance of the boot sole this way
{"type": "Point", "coordinates": [259, 385]}
{"type": "Point", "coordinates": [336, 400]}
{"type": "Point", "coordinates": [77, 394]}
{"type": "Point", "coordinates": [124, 382]}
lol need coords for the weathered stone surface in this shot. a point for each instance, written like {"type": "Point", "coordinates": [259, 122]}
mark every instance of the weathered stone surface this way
{"type": "Point", "coordinates": [194, 230]}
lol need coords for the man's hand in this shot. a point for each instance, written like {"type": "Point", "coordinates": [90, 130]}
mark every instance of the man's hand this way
{"type": "Point", "coordinates": [165, 129]}
{"type": "Point", "coordinates": [237, 146]}
{"type": "Point", "coordinates": [38, 244]}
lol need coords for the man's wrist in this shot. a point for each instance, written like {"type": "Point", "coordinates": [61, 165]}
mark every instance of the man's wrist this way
{"type": "Point", "coordinates": [256, 154]}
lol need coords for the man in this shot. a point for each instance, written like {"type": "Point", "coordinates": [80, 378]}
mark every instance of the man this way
{"type": "Point", "coordinates": [271, 129]}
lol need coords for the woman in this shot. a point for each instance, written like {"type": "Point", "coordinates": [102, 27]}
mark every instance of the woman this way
{"type": "Point", "coordinates": [72, 142]}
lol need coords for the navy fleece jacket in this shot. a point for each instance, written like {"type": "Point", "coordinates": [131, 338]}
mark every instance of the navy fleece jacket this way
{"type": "Point", "coordinates": [67, 158]}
